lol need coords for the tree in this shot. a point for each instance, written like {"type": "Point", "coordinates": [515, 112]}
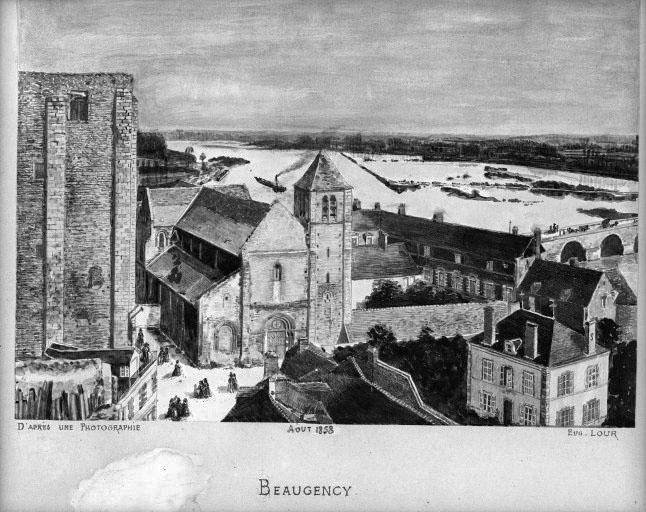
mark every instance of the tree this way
{"type": "Point", "coordinates": [151, 145]}
{"type": "Point", "coordinates": [385, 293]}
{"type": "Point", "coordinates": [608, 331]}
{"type": "Point", "coordinates": [382, 337]}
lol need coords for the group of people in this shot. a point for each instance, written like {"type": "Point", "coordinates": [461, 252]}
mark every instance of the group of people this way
{"type": "Point", "coordinates": [202, 389]}
{"type": "Point", "coordinates": [553, 228]}
{"type": "Point", "coordinates": [177, 408]}
{"type": "Point", "coordinates": [163, 357]}
{"type": "Point", "coordinates": [232, 385]}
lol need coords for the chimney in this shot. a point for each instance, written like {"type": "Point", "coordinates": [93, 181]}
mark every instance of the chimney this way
{"type": "Point", "coordinates": [438, 217]}
{"type": "Point", "coordinates": [271, 364]}
{"type": "Point", "coordinates": [590, 333]}
{"type": "Point", "coordinates": [514, 230]}
{"type": "Point", "coordinates": [303, 343]}
{"type": "Point", "coordinates": [382, 240]}
{"type": "Point", "coordinates": [489, 327]}
{"type": "Point", "coordinates": [356, 204]}
{"type": "Point", "coordinates": [537, 243]}
{"type": "Point", "coordinates": [573, 261]}
{"type": "Point", "coordinates": [531, 340]}
{"type": "Point", "coordinates": [377, 206]}
{"type": "Point", "coordinates": [401, 209]}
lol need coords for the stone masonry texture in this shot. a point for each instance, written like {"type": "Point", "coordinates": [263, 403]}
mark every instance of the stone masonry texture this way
{"type": "Point", "coordinates": [76, 211]}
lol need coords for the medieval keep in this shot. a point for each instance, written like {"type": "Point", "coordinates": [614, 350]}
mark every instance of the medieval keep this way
{"type": "Point", "coordinates": [77, 184]}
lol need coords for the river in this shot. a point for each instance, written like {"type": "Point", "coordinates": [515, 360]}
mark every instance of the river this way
{"type": "Point", "coordinates": [532, 210]}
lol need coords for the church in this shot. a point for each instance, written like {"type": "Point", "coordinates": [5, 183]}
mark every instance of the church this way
{"type": "Point", "coordinates": [241, 277]}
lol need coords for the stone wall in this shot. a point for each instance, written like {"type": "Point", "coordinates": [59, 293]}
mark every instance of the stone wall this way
{"type": "Point", "coordinates": [67, 247]}
{"type": "Point", "coordinates": [443, 320]}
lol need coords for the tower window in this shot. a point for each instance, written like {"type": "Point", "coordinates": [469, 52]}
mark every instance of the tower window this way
{"type": "Point", "coordinates": [161, 240]}
{"type": "Point", "coordinates": [78, 106]}
{"type": "Point", "coordinates": [325, 208]}
{"type": "Point", "coordinates": [278, 272]}
{"type": "Point", "coordinates": [332, 207]}
{"type": "Point", "coordinates": [328, 255]}
{"type": "Point", "coordinates": [327, 277]}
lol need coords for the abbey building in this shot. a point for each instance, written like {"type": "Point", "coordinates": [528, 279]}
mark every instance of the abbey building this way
{"type": "Point", "coordinates": [241, 278]}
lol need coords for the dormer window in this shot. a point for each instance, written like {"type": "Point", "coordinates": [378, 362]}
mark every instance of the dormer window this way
{"type": "Point", "coordinates": [510, 347]}
{"type": "Point", "coordinates": [78, 106]}
{"type": "Point", "coordinates": [566, 294]}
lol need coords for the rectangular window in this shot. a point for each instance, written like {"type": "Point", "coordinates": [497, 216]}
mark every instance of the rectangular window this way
{"type": "Point", "coordinates": [369, 240]}
{"type": "Point", "coordinates": [131, 408]}
{"type": "Point", "coordinates": [592, 376]}
{"type": "Point", "coordinates": [124, 371]}
{"type": "Point", "coordinates": [565, 417]}
{"type": "Point", "coordinates": [490, 290]}
{"type": "Point", "coordinates": [487, 402]}
{"type": "Point", "coordinates": [591, 411]}
{"type": "Point", "coordinates": [39, 171]}
{"type": "Point", "coordinates": [490, 265]}
{"type": "Point", "coordinates": [527, 415]}
{"type": "Point", "coordinates": [78, 106]}
{"type": "Point", "coordinates": [528, 383]}
{"type": "Point", "coordinates": [457, 280]}
{"type": "Point", "coordinates": [487, 370]}
{"type": "Point", "coordinates": [354, 240]}
{"type": "Point", "coordinates": [473, 285]}
{"type": "Point", "coordinates": [441, 277]}
{"type": "Point", "coordinates": [565, 384]}
{"type": "Point", "coordinates": [427, 250]}
{"type": "Point", "coordinates": [458, 258]}
{"type": "Point", "coordinates": [507, 377]}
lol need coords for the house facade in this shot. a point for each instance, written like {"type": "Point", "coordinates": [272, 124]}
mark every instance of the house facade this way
{"type": "Point", "coordinates": [529, 369]}
{"type": "Point", "coordinates": [571, 294]}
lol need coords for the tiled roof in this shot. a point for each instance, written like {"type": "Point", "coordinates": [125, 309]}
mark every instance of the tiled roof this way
{"type": "Point", "coordinates": [322, 174]}
{"type": "Point", "coordinates": [237, 190]}
{"type": "Point", "coordinates": [184, 274]}
{"type": "Point", "coordinates": [167, 204]}
{"type": "Point", "coordinates": [299, 362]}
{"type": "Point", "coordinates": [557, 343]}
{"type": "Point", "coordinates": [372, 262]}
{"type": "Point", "coordinates": [486, 243]}
{"type": "Point", "coordinates": [222, 220]}
{"type": "Point", "coordinates": [560, 282]}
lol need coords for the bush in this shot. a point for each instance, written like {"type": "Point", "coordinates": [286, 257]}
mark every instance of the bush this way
{"type": "Point", "coordinates": [388, 293]}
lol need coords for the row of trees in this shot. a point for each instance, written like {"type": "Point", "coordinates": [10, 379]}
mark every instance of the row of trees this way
{"type": "Point", "coordinates": [388, 293]}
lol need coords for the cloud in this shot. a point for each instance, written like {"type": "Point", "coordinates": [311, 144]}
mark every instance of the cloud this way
{"type": "Point", "coordinates": [160, 480]}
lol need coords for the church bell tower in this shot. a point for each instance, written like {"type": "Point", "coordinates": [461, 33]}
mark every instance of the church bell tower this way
{"type": "Point", "coordinates": [323, 204]}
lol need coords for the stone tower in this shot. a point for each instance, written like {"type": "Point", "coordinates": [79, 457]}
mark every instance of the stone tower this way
{"type": "Point", "coordinates": [323, 203]}
{"type": "Point", "coordinates": [77, 186]}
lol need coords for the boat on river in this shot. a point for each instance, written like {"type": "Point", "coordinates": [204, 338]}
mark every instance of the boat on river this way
{"type": "Point", "coordinates": [274, 186]}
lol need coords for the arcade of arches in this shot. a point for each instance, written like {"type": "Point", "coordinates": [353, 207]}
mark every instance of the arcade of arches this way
{"type": "Point", "coordinates": [612, 246]}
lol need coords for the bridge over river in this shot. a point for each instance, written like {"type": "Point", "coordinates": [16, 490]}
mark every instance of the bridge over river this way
{"type": "Point", "coordinates": [591, 241]}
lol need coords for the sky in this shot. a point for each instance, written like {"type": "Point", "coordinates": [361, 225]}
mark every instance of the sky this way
{"type": "Point", "coordinates": [508, 67]}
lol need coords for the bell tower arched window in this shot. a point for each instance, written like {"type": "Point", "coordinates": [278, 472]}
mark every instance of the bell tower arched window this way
{"type": "Point", "coordinates": [278, 272]}
{"type": "Point", "coordinates": [325, 208]}
{"type": "Point", "coordinates": [333, 208]}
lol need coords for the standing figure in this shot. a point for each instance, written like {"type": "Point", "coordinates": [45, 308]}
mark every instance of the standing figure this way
{"type": "Point", "coordinates": [184, 408]}
{"type": "Point", "coordinates": [235, 382]}
{"type": "Point", "coordinates": [206, 393]}
{"type": "Point", "coordinates": [140, 339]}
{"type": "Point", "coordinates": [230, 383]}
{"type": "Point", "coordinates": [177, 371]}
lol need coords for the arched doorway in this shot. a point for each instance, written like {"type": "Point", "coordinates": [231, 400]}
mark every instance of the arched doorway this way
{"type": "Point", "coordinates": [612, 246]}
{"type": "Point", "coordinates": [278, 333]}
{"type": "Point", "coordinates": [572, 250]}
{"type": "Point", "coordinates": [225, 340]}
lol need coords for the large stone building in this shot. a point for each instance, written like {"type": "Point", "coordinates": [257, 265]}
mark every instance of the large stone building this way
{"type": "Point", "coordinates": [476, 262]}
{"type": "Point", "coordinates": [530, 369]}
{"type": "Point", "coordinates": [77, 184]}
{"type": "Point", "coordinates": [243, 278]}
